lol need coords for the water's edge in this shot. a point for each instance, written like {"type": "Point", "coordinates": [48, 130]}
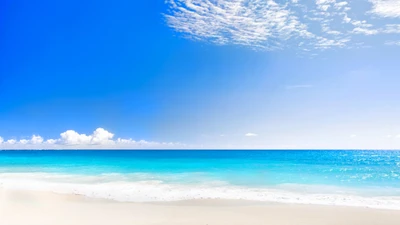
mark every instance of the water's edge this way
{"type": "Point", "coordinates": [158, 191]}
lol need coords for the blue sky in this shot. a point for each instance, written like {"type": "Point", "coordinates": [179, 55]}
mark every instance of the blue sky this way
{"type": "Point", "coordinates": [200, 74]}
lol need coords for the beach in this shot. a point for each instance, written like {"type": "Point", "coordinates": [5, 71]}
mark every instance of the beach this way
{"type": "Point", "coordinates": [23, 207]}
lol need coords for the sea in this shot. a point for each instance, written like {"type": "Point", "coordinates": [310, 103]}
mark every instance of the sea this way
{"type": "Point", "coordinates": [346, 178]}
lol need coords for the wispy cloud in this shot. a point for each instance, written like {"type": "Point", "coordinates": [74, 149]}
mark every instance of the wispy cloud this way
{"type": "Point", "coordinates": [256, 23]}
{"type": "Point", "coordinates": [366, 31]}
{"type": "Point", "coordinates": [392, 29]}
{"type": "Point", "coordinates": [393, 43]}
{"type": "Point", "coordinates": [272, 25]}
{"type": "Point", "coordinates": [251, 135]}
{"type": "Point", "coordinates": [70, 139]}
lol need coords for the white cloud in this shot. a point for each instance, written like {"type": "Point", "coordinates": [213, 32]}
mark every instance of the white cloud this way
{"type": "Point", "coordinates": [125, 141]}
{"type": "Point", "coordinates": [334, 32]}
{"type": "Point", "coordinates": [324, 4]}
{"type": "Point", "coordinates": [70, 139]}
{"type": "Point", "coordinates": [325, 43]}
{"type": "Point", "coordinates": [339, 5]}
{"type": "Point", "coordinates": [143, 143]}
{"type": "Point", "coordinates": [366, 31]}
{"type": "Point", "coordinates": [273, 25]}
{"type": "Point", "coordinates": [393, 43]}
{"type": "Point", "coordinates": [11, 141]}
{"type": "Point", "coordinates": [51, 141]}
{"type": "Point", "coordinates": [346, 19]}
{"type": "Point", "coordinates": [353, 136]}
{"type": "Point", "coordinates": [33, 141]}
{"type": "Point", "coordinates": [251, 135]}
{"type": "Point", "coordinates": [36, 139]}
{"type": "Point", "coordinates": [99, 137]}
{"type": "Point", "coordinates": [392, 29]}
{"type": "Point", "coordinates": [386, 8]}
{"type": "Point", "coordinates": [261, 24]}
{"type": "Point", "coordinates": [23, 141]}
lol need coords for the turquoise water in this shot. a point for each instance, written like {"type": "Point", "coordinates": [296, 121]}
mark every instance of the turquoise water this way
{"type": "Point", "coordinates": [353, 177]}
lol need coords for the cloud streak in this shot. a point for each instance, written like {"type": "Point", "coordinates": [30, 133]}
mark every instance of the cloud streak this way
{"type": "Point", "coordinates": [251, 135]}
{"type": "Point", "coordinates": [269, 25]}
{"type": "Point", "coordinates": [393, 43]}
{"type": "Point", "coordinates": [99, 139]}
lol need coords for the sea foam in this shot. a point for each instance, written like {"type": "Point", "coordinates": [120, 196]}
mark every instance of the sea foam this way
{"type": "Point", "coordinates": [120, 187]}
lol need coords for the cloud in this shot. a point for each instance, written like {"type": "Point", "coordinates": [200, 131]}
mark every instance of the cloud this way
{"type": "Point", "coordinates": [99, 137]}
{"type": "Point", "coordinates": [249, 23]}
{"type": "Point", "coordinates": [289, 24]}
{"type": "Point", "coordinates": [392, 29]}
{"type": "Point", "coordinates": [36, 139]}
{"type": "Point", "coordinates": [11, 141]}
{"type": "Point", "coordinates": [143, 143]}
{"type": "Point", "coordinates": [251, 135]}
{"type": "Point", "coordinates": [366, 31]}
{"type": "Point", "coordinates": [393, 43]}
{"type": "Point", "coordinates": [353, 136]}
{"type": "Point", "coordinates": [23, 141]}
{"type": "Point", "coordinates": [70, 139]}
{"type": "Point", "coordinates": [51, 141]}
{"type": "Point", "coordinates": [255, 23]}
{"type": "Point", "coordinates": [386, 8]}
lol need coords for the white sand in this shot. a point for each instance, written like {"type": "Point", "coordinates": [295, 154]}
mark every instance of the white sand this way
{"type": "Point", "coordinates": [40, 208]}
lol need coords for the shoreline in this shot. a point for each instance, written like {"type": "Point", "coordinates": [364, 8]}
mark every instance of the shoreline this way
{"type": "Point", "coordinates": [154, 192]}
{"type": "Point", "coordinates": [21, 207]}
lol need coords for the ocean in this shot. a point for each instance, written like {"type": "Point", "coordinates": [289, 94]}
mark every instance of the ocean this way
{"type": "Point", "coordinates": [348, 178]}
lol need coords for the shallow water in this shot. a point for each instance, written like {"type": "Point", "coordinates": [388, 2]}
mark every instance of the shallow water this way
{"type": "Point", "coordinates": [355, 178]}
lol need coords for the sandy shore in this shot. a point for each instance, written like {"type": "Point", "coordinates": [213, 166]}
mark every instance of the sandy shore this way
{"type": "Point", "coordinates": [40, 208]}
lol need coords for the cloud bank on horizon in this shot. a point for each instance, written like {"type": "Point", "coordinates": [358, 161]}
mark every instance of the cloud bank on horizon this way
{"type": "Point", "coordinates": [103, 139]}
{"type": "Point", "coordinates": [70, 139]}
{"type": "Point", "coordinates": [272, 25]}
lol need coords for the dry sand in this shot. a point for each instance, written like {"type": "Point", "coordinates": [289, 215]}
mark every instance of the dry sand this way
{"type": "Point", "coordinates": [41, 208]}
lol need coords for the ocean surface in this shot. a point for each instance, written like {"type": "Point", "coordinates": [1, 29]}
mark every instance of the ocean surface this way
{"type": "Point", "coordinates": [349, 178]}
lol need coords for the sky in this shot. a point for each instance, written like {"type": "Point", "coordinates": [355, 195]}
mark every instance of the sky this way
{"type": "Point", "coordinates": [234, 74]}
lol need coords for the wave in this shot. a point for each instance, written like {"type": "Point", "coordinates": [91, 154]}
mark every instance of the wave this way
{"type": "Point", "coordinates": [121, 187]}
